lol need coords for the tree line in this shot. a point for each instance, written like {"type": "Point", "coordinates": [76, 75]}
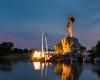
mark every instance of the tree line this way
{"type": "Point", "coordinates": [7, 48]}
{"type": "Point", "coordinates": [95, 50]}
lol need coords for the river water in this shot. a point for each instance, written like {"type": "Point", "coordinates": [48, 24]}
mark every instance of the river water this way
{"type": "Point", "coordinates": [26, 70]}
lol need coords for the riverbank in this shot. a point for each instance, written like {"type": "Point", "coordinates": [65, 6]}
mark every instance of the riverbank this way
{"type": "Point", "coordinates": [66, 59]}
{"type": "Point", "coordinates": [14, 57]}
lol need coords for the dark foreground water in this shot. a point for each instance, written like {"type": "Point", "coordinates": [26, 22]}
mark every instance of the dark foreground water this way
{"type": "Point", "coordinates": [25, 70]}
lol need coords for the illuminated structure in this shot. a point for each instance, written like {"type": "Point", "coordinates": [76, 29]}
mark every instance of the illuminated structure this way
{"type": "Point", "coordinates": [44, 38]}
{"type": "Point", "coordinates": [71, 19]}
{"type": "Point", "coordinates": [65, 43]}
{"type": "Point", "coordinates": [44, 54]}
{"type": "Point", "coordinates": [36, 55]}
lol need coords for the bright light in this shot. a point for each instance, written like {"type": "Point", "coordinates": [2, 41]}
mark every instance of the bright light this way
{"type": "Point", "coordinates": [37, 54]}
{"type": "Point", "coordinates": [43, 54]}
{"type": "Point", "coordinates": [36, 65]}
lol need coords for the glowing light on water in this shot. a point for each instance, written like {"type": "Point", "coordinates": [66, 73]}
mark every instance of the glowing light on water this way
{"type": "Point", "coordinates": [36, 65]}
{"type": "Point", "coordinates": [66, 72]}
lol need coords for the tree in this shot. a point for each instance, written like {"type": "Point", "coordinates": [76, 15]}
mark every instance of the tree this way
{"type": "Point", "coordinates": [7, 45]}
{"type": "Point", "coordinates": [25, 50]}
{"type": "Point", "coordinates": [58, 48]}
{"type": "Point", "coordinates": [18, 51]}
{"type": "Point", "coordinates": [97, 49]}
{"type": "Point", "coordinates": [82, 48]}
{"type": "Point", "coordinates": [6, 48]}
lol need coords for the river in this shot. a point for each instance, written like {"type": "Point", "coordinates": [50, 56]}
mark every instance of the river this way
{"type": "Point", "coordinates": [26, 70]}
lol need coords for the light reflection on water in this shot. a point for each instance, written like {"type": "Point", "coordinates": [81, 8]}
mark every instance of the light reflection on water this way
{"type": "Point", "coordinates": [69, 71]}
{"type": "Point", "coordinates": [42, 67]}
{"type": "Point", "coordinates": [36, 65]}
{"type": "Point", "coordinates": [66, 71]}
{"type": "Point", "coordinates": [48, 71]}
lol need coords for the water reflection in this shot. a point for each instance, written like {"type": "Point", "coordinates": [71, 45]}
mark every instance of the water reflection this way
{"type": "Point", "coordinates": [42, 67]}
{"type": "Point", "coordinates": [48, 71]}
{"type": "Point", "coordinates": [75, 71]}
{"type": "Point", "coordinates": [5, 65]}
{"type": "Point", "coordinates": [36, 65]}
{"type": "Point", "coordinates": [97, 69]}
{"type": "Point", "coordinates": [64, 70]}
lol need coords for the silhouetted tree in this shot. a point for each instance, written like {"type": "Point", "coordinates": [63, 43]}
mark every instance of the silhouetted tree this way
{"type": "Point", "coordinates": [6, 48]}
{"type": "Point", "coordinates": [25, 50]}
{"type": "Point", "coordinates": [17, 51]}
{"type": "Point", "coordinates": [82, 48]}
{"type": "Point", "coordinates": [97, 49]}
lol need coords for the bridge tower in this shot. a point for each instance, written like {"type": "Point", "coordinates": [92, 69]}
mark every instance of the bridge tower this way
{"type": "Point", "coordinates": [44, 39]}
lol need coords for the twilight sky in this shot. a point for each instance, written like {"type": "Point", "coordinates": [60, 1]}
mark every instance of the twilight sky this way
{"type": "Point", "coordinates": [23, 21]}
